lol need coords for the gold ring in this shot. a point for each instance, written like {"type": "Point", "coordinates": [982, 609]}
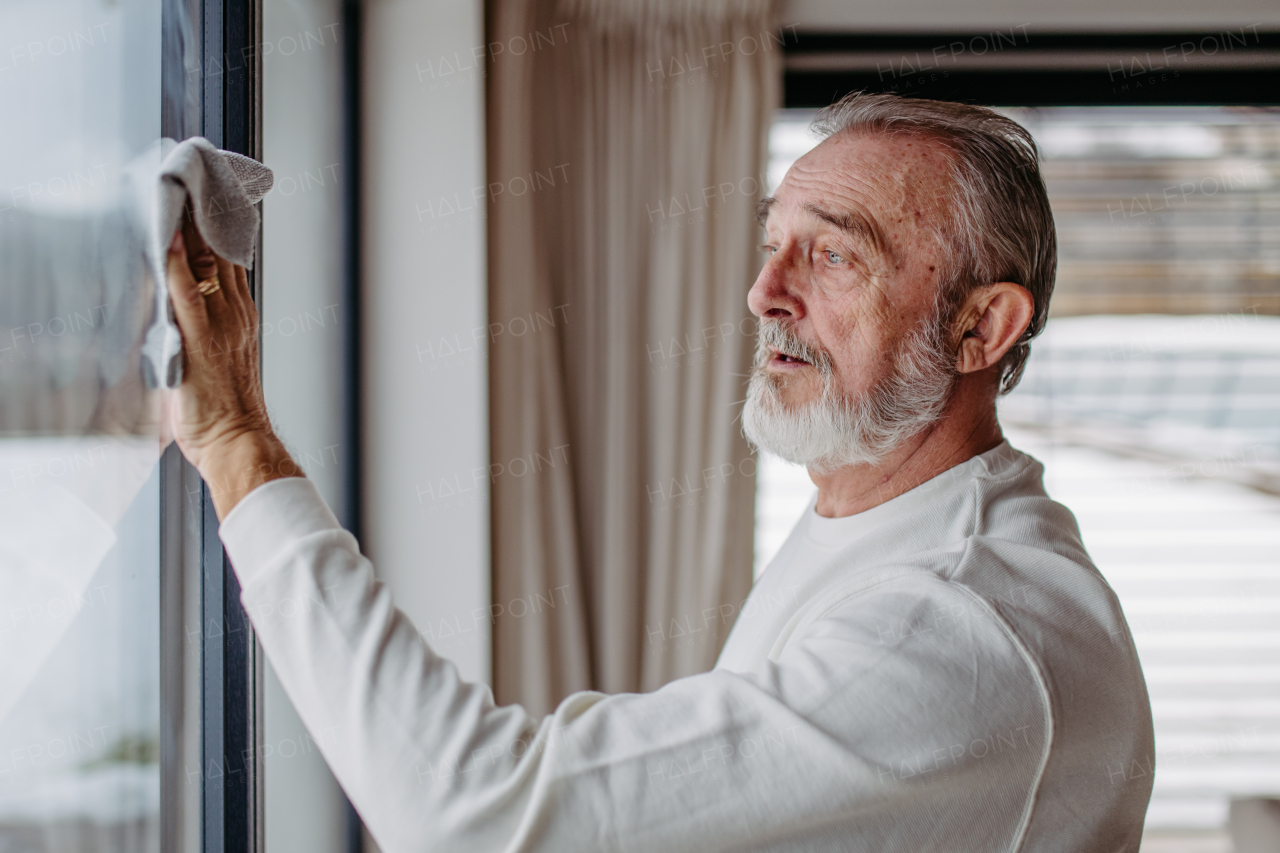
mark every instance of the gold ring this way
{"type": "Point", "coordinates": [209, 285]}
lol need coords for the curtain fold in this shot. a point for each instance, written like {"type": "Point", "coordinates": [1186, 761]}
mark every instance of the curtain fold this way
{"type": "Point", "coordinates": [627, 149]}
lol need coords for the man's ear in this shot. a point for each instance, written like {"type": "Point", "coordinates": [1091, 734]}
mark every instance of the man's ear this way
{"type": "Point", "coordinates": [990, 322]}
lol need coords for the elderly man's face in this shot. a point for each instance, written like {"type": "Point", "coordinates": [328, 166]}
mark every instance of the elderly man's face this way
{"type": "Point", "coordinates": [853, 358]}
{"type": "Point", "coordinates": [854, 246]}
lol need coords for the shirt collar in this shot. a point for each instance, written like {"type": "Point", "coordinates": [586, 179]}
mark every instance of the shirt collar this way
{"type": "Point", "coordinates": [839, 532]}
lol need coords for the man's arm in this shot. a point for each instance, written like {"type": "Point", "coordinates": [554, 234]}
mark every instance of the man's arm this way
{"type": "Point", "coordinates": [845, 742]}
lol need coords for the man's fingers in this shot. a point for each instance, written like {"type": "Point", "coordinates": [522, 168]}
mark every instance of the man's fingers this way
{"type": "Point", "coordinates": [188, 305]}
{"type": "Point", "coordinates": [228, 293]}
{"type": "Point", "coordinates": [221, 315]}
{"type": "Point", "coordinates": [242, 288]}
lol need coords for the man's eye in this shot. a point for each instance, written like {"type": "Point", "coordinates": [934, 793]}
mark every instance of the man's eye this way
{"type": "Point", "coordinates": [833, 257]}
{"type": "Point", "coordinates": [769, 250]}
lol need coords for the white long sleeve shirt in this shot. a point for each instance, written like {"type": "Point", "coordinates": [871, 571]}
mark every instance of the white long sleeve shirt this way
{"type": "Point", "coordinates": [946, 671]}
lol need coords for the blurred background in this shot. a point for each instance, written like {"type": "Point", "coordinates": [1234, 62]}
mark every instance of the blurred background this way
{"type": "Point", "coordinates": [502, 277]}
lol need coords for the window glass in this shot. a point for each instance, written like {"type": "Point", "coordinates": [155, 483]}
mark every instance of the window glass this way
{"type": "Point", "coordinates": [79, 487]}
{"type": "Point", "coordinates": [1153, 400]}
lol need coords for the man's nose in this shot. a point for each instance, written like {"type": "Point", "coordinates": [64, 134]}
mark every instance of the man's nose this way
{"type": "Point", "coordinates": [774, 293]}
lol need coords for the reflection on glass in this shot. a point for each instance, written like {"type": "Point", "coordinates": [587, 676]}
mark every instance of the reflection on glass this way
{"type": "Point", "coordinates": [1153, 400]}
{"type": "Point", "coordinates": [79, 489]}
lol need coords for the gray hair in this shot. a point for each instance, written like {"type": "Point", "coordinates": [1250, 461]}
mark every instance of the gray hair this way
{"type": "Point", "coordinates": [1003, 226]}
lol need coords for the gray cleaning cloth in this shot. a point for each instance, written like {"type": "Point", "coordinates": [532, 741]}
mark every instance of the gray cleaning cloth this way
{"type": "Point", "coordinates": [224, 188]}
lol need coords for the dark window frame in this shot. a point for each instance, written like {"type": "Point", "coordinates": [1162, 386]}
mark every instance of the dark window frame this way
{"type": "Point", "coordinates": [232, 671]}
{"type": "Point", "coordinates": [1021, 66]}
{"type": "Point", "coordinates": [227, 86]}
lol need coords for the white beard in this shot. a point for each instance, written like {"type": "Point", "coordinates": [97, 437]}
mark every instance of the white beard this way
{"type": "Point", "coordinates": [836, 431]}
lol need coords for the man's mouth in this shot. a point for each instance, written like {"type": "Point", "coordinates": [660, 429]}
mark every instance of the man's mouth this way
{"type": "Point", "coordinates": [783, 358]}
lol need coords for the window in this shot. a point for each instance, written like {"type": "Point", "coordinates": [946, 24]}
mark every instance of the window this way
{"type": "Point", "coordinates": [79, 486]}
{"type": "Point", "coordinates": [128, 696]}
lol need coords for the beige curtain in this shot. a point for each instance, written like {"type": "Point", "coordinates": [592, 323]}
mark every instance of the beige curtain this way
{"type": "Point", "coordinates": [627, 149]}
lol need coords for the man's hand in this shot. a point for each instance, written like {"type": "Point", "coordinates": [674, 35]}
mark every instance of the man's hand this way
{"type": "Point", "coordinates": [219, 416]}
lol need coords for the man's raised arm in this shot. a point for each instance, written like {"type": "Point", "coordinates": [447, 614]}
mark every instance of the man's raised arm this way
{"type": "Point", "coordinates": [831, 733]}
{"type": "Point", "coordinates": [833, 744]}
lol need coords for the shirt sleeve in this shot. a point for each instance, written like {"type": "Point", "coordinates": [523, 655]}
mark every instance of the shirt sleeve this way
{"type": "Point", "coordinates": [839, 743]}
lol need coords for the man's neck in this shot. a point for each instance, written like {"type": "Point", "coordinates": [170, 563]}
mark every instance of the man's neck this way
{"type": "Point", "coordinates": [967, 428]}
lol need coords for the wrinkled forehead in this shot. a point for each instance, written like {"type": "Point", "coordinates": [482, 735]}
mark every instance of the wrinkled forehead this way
{"type": "Point", "coordinates": [895, 187]}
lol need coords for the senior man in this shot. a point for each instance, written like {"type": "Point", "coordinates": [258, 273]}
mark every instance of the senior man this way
{"type": "Point", "coordinates": [950, 671]}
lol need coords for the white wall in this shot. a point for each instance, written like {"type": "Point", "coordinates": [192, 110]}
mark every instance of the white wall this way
{"type": "Point", "coordinates": [426, 514]}
{"type": "Point", "coordinates": [302, 75]}
{"type": "Point", "coordinates": [425, 418]}
{"type": "Point", "coordinates": [1042, 15]}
